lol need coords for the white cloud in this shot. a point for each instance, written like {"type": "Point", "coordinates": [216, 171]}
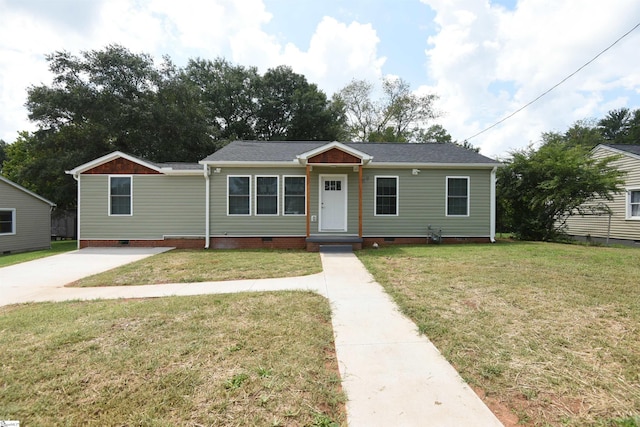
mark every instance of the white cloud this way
{"type": "Point", "coordinates": [480, 48]}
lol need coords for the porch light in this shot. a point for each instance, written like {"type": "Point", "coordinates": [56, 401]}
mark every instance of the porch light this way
{"type": "Point", "coordinates": [415, 171]}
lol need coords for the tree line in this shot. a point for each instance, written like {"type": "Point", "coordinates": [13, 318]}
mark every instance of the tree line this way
{"type": "Point", "coordinates": [113, 99]}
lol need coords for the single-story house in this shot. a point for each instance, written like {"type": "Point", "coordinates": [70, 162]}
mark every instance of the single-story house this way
{"type": "Point", "coordinates": [617, 220]}
{"type": "Point", "coordinates": [290, 195]}
{"type": "Point", "coordinates": [25, 219]}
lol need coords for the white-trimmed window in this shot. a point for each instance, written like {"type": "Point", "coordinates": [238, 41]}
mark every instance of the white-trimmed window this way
{"type": "Point", "coordinates": [7, 221]}
{"type": "Point", "coordinates": [238, 195]}
{"type": "Point", "coordinates": [457, 196]}
{"type": "Point", "coordinates": [266, 195]}
{"type": "Point", "coordinates": [633, 203]}
{"type": "Point", "coordinates": [295, 195]}
{"type": "Point", "coordinates": [120, 195]}
{"type": "Point", "coordinates": [386, 195]}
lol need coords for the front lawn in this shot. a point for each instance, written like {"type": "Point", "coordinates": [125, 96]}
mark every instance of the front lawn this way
{"type": "Point", "coordinates": [57, 247]}
{"type": "Point", "coordinates": [263, 359]}
{"type": "Point", "coordinates": [197, 265]}
{"type": "Point", "coordinates": [549, 331]}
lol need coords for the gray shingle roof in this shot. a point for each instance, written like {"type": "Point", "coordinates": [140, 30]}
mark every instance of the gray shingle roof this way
{"type": "Point", "coordinates": [633, 149]}
{"type": "Point", "coordinates": [387, 152]}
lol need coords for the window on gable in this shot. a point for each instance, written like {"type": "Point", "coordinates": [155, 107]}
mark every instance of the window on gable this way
{"type": "Point", "coordinates": [634, 204]}
{"type": "Point", "coordinates": [238, 190]}
{"type": "Point", "coordinates": [386, 195]}
{"type": "Point", "coordinates": [120, 195]}
{"type": "Point", "coordinates": [295, 188]}
{"type": "Point", "coordinates": [457, 196]}
{"type": "Point", "coordinates": [7, 221]}
{"type": "Point", "coordinates": [266, 195]}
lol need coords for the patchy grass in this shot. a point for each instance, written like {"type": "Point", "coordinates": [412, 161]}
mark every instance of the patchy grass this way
{"type": "Point", "coordinates": [56, 248]}
{"type": "Point", "coordinates": [185, 266]}
{"type": "Point", "coordinates": [222, 360]}
{"type": "Point", "coordinates": [551, 331]}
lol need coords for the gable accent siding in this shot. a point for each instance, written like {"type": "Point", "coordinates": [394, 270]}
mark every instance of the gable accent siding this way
{"type": "Point", "coordinates": [335, 156]}
{"type": "Point", "coordinates": [621, 227]}
{"type": "Point", "coordinates": [171, 206]}
{"type": "Point", "coordinates": [32, 220]}
{"type": "Point", "coordinates": [121, 166]}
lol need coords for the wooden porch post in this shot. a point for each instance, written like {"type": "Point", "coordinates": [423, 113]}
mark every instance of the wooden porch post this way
{"type": "Point", "coordinates": [308, 180]}
{"type": "Point", "coordinates": [360, 201]}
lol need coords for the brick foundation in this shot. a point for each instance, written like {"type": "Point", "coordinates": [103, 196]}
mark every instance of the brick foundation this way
{"type": "Point", "coordinates": [270, 242]}
{"type": "Point", "coordinates": [194, 243]}
{"type": "Point", "coordinates": [388, 241]}
{"type": "Point", "coordinates": [257, 243]}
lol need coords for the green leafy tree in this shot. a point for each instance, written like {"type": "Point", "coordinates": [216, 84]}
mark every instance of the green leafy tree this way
{"type": "Point", "coordinates": [397, 117]}
{"type": "Point", "coordinates": [290, 108]}
{"type": "Point", "coordinates": [3, 153]}
{"type": "Point", "coordinates": [539, 189]}
{"type": "Point", "coordinates": [229, 96]}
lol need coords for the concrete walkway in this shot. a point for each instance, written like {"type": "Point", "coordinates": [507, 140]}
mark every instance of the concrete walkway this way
{"type": "Point", "coordinates": [392, 376]}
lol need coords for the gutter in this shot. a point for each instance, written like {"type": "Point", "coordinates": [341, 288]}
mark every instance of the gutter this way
{"type": "Point", "coordinates": [492, 201]}
{"type": "Point", "coordinates": [207, 209]}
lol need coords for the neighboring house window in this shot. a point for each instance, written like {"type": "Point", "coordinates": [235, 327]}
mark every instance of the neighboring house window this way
{"type": "Point", "coordinates": [120, 195]}
{"type": "Point", "coordinates": [238, 190]}
{"type": "Point", "coordinates": [386, 195]}
{"type": "Point", "coordinates": [295, 190]}
{"type": "Point", "coordinates": [457, 196]}
{"type": "Point", "coordinates": [266, 195]}
{"type": "Point", "coordinates": [634, 204]}
{"type": "Point", "coordinates": [7, 221]}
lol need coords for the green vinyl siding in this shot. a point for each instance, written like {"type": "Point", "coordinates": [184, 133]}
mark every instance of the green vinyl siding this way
{"type": "Point", "coordinates": [422, 202]}
{"type": "Point", "coordinates": [162, 206]}
{"type": "Point", "coordinates": [267, 225]}
{"type": "Point", "coordinates": [32, 223]}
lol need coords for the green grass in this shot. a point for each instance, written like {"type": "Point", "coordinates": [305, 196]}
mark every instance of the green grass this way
{"type": "Point", "coordinates": [551, 331]}
{"type": "Point", "coordinates": [262, 359]}
{"type": "Point", "coordinates": [184, 266]}
{"type": "Point", "coordinates": [56, 248]}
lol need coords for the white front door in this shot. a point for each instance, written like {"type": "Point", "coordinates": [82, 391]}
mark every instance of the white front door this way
{"type": "Point", "coordinates": [333, 203]}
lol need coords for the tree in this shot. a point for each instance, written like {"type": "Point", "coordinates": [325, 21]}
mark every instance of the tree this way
{"type": "Point", "coordinates": [397, 117]}
{"type": "Point", "coordinates": [290, 108]}
{"type": "Point", "coordinates": [3, 153]}
{"type": "Point", "coordinates": [539, 189]}
{"type": "Point", "coordinates": [229, 96]}
{"type": "Point", "coordinates": [621, 126]}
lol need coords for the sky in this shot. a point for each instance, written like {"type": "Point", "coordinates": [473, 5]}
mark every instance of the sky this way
{"type": "Point", "coordinates": [483, 59]}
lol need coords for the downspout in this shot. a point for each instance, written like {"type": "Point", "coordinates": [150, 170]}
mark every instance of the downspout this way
{"type": "Point", "coordinates": [207, 186]}
{"type": "Point", "coordinates": [492, 197]}
{"type": "Point", "coordinates": [77, 178]}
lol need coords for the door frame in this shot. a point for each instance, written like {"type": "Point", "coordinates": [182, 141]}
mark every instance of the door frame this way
{"type": "Point", "coordinates": [345, 180]}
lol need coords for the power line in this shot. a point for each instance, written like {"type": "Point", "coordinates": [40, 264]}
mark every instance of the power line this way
{"type": "Point", "coordinates": [555, 86]}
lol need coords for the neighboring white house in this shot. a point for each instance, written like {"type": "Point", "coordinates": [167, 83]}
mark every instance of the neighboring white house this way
{"type": "Point", "coordinates": [25, 219]}
{"type": "Point", "coordinates": [622, 222]}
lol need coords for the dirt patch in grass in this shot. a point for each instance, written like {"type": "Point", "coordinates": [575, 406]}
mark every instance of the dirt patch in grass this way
{"type": "Point", "coordinates": [223, 360]}
{"type": "Point", "coordinates": [186, 266]}
{"type": "Point", "coordinates": [550, 331]}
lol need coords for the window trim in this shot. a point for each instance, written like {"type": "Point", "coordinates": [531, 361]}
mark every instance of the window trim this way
{"type": "Point", "coordinates": [248, 195]}
{"type": "Point", "coordinates": [375, 195]}
{"type": "Point", "coordinates": [446, 197]}
{"type": "Point", "coordinates": [284, 195]}
{"type": "Point", "coordinates": [13, 221]}
{"type": "Point", "coordinates": [628, 210]}
{"type": "Point", "coordinates": [277, 195]}
{"type": "Point", "coordinates": [110, 212]}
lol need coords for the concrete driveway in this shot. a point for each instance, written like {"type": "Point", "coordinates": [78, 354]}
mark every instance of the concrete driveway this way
{"type": "Point", "coordinates": [34, 280]}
